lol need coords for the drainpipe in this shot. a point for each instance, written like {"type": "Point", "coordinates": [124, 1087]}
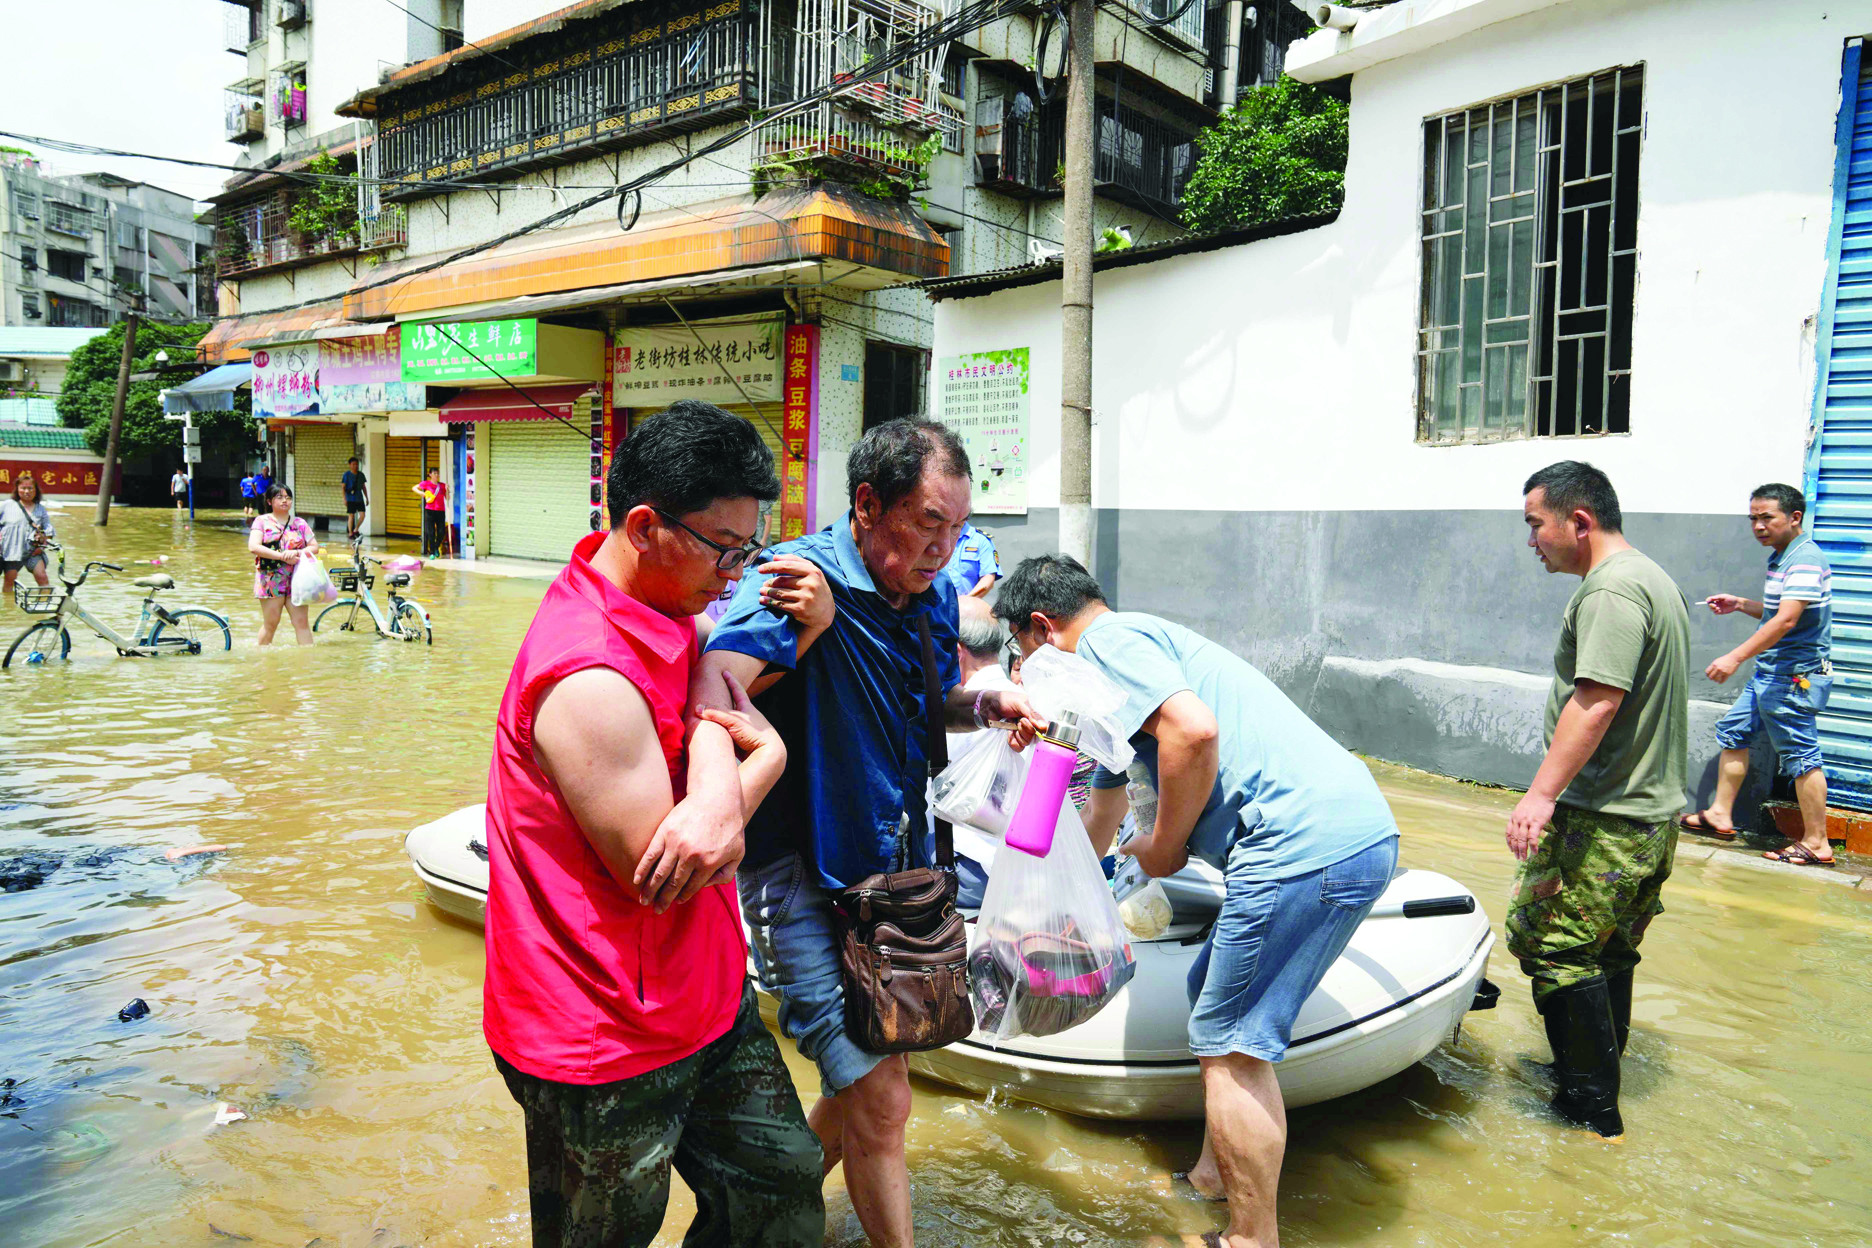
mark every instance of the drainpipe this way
{"type": "Point", "coordinates": [1333, 16]}
{"type": "Point", "coordinates": [1231, 57]}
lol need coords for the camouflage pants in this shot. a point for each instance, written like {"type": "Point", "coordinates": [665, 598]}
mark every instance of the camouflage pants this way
{"type": "Point", "coordinates": [727, 1119]}
{"type": "Point", "coordinates": [1586, 894]}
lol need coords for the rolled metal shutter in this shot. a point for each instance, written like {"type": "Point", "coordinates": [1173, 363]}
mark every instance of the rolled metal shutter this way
{"type": "Point", "coordinates": [538, 495]}
{"type": "Point", "coordinates": [769, 429]}
{"type": "Point", "coordinates": [403, 468]}
{"type": "Point", "coordinates": [319, 455]}
{"type": "Point", "coordinates": [1839, 468]}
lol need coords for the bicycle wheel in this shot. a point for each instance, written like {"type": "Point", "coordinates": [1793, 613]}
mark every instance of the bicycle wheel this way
{"type": "Point", "coordinates": [41, 643]}
{"type": "Point", "coordinates": [192, 632]}
{"type": "Point", "coordinates": [344, 625]}
{"type": "Point", "coordinates": [411, 623]}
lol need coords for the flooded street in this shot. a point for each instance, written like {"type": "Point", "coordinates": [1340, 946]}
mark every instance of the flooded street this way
{"type": "Point", "coordinates": [302, 977]}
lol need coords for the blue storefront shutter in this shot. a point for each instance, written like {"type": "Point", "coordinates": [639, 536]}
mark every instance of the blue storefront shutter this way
{"type": "Point", "coordinates": [1838, 472]}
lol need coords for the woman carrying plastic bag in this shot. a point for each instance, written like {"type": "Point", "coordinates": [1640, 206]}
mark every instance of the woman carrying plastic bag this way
{"type": "Point", "coordinates": [280, 542]}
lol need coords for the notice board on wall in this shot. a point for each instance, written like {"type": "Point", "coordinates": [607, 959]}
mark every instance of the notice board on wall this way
{"type": "Point", "coordinates": [982, 396]}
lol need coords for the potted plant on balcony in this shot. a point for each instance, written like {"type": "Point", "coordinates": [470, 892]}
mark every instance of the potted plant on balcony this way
{"type": "Point", "coordinates": [323, 217]}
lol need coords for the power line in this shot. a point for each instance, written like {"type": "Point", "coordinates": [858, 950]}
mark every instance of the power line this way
{"type": "Point", "coordinates": [962, 21]}
{"type": "Point", "coordinates": [74, 148]}
{"type": "Point", "coordinates": [477, 47]}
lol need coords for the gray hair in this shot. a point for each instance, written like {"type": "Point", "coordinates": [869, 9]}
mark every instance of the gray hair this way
{"type": "Point", "coordinates": [890, 457]}
{"type": "Point", "coordinates": [981, 634]}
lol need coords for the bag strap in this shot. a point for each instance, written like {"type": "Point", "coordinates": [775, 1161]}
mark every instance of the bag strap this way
{"type": "Point", "coordinates": [938, 749]}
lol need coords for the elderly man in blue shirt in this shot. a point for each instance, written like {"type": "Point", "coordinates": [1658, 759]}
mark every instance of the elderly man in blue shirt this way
{"type": "Point", "coordinates": [1247, 782]}
{"type": "Point", "coordinates": [850, 704]}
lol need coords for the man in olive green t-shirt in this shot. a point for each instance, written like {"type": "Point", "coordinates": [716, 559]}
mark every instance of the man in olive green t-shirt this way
{"type": "Point", "coordinates": [1595, 834]}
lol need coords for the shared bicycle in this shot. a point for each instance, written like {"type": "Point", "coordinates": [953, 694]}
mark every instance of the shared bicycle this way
{"type": "Point", "coordinates": [404, 621]}
{"type": "Point", "coordinates": [159, 631]}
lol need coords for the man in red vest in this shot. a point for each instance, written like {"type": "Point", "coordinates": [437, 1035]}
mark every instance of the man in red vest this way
{"type": "Point", "coordinates": [621, 1015]}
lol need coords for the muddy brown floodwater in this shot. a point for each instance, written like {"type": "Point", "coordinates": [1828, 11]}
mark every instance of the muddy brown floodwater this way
{"type": "Point", "coordinates": [302, 977]}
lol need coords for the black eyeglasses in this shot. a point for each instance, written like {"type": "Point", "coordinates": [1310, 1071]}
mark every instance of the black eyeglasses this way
{"type": "Point", "coordinates": [729, 557]}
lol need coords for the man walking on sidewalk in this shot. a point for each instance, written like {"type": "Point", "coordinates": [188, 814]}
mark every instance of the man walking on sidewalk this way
{"type": "Point", "coordinates": [1793, 676]}
{"type": "Point", "coordinates": [1594, 833]}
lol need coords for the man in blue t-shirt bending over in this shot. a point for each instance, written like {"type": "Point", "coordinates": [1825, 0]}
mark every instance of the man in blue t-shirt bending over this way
{"type": "Point", "coordinates": [1793, 676]}
{"type": "Point", "coordinates": [1250, 784]}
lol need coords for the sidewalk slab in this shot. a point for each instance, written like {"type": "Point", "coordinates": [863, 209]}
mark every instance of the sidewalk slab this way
{"type": "Point", "coordinates": [524, 569]}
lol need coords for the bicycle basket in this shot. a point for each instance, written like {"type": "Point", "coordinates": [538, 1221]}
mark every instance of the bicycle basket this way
{"type": "Point", "coordinates": [38, 599]}
{"type": "Point", "coordinates": [346, 579]}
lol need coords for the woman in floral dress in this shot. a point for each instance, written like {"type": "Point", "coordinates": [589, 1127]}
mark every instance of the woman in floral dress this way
{"type": "Point", "coordinates": [278, 541]}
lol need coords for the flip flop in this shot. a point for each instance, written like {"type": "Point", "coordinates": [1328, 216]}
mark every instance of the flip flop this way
{"type": "Point", "coordinates": [1796, 854]}
{"type": "Point", "coordinates": [1703, 827]}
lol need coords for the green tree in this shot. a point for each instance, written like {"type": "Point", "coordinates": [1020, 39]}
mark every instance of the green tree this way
{"type": "Point", "coordinates": [1280, 152]}
{"type": "Point", "coordinates": [90, 386]}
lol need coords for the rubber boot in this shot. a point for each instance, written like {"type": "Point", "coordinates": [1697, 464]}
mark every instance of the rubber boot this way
{"type": "Point", "coordinates": [1619, 987]}
{"type": "Point", "coordinates": [1586, 1069]}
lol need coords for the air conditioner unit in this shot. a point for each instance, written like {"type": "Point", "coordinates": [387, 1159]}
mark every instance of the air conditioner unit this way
{"type": "Point", "coordinates": [12, 370]}
{"type": "Point", "coordinates": [291, 13]}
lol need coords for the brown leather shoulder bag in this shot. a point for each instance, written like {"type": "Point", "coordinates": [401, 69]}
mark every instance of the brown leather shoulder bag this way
{"type": "Point", "coordinates": [903, 948]}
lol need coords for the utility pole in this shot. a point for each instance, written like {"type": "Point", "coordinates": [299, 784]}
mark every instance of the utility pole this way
{"type": "Point", "coordinates": [1076, 292]}
{"type": "Point", "coordinates": [116, 425]}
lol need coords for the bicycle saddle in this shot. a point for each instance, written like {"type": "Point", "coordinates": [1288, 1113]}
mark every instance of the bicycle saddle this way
{"type": "Point", "coordinates": [157, 580]}
{"type": "Point", "coordinates": [398, 579]}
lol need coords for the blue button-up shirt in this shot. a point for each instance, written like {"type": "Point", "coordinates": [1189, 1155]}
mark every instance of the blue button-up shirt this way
{"type": "Point", "coordinates": [851, 714]}
{"type": "Point", "coordinates": [974, 558]}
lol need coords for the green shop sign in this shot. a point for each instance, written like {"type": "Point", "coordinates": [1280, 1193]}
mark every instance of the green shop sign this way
{"type": "Point", "coordinates": [466, 350]}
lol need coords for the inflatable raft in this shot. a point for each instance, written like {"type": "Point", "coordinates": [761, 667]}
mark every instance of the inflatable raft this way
{"type": "Point", "coordinates": [1413, 971]}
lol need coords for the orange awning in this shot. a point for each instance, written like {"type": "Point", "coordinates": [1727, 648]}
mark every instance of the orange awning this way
{"type": "Point", "coordinates": [856, 240]}
{"type": "Point", "coordinates": [224, 342]}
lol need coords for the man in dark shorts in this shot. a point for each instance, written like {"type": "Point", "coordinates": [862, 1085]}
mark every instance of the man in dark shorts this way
{"type": "Point", "coordinates": [1595, 832]}
{"type": "Point", "coordinates": [356, 497]}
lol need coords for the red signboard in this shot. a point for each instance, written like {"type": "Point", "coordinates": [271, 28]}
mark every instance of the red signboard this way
{"type": "Point", "coordinates": [799, 430]}
{"type": "Point", "coordinates": [54, 476]}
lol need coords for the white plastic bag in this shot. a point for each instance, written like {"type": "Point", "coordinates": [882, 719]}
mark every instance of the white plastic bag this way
{"type": "Point", "coordinates": [1056, 681]}
{"type": "Point", "coordinates": [1143, 904]}
{"type": "Point", "coordinates": [981, 784]}
{"type": "Point", "coordinates": [1052, 949]}
{"type": "Point", "coordinates": [311, 583]}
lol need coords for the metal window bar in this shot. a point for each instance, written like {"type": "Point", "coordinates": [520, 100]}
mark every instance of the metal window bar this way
{"type": "Point", "coordinates": [1529, 264]}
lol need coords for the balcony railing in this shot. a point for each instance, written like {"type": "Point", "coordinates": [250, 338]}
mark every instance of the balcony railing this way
{"type": "Point", "coordinates": [260, 235]}
{"type": "Point", "coordinates": [388, 227]}
{"type": "Point", "coordinates": [1187, 29]}
{"type": "Point", "coordinates": [1135, 157]}
{"type": "Point", "coordinates": [246, 118]}
{"type": "Point", "coordinates": [241, 24]}
{"type": "Point", "coordinates": [681, 74]}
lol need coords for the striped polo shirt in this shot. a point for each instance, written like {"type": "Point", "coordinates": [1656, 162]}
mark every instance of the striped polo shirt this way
{"type": "Point", "coordinates": [1800, 572]}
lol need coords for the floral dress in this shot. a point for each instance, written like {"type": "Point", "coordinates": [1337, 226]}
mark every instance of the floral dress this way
{"type": "Point", "coordinates": [273, 579]}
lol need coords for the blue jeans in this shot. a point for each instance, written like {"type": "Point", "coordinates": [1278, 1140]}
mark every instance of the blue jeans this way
{"type": "Point", "coordinates": [796, 952]}
{"type": "Point", "coordinates": [1773, 701]}
{"type": "Point", "coordinates": [1271, 946]}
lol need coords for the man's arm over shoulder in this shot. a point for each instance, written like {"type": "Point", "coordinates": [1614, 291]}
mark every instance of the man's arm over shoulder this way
{"type": "Point", "coordinates": [595, 737]}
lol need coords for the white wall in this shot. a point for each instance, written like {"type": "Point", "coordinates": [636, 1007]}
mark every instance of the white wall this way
{"type": "Point", "coordinates": [1280, 375]}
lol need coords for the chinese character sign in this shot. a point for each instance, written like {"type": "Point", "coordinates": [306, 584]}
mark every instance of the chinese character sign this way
{"type": "Point", "coordinates": [469, 350]}
{"type": "Point", "coordinates": [54, 476]}
{"type": "Point", "coordinates": [799, 431]}
{"type": "Point", "coordinates": [983, 398]}
{"type": "Point", "coordinates": [722, 361]}
{"type": "Point", "coordinates": [366, 375]}
{"type": "Point", "coordinates": [286, 380]}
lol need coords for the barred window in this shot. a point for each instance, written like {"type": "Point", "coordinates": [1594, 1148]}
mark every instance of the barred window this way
{"type": "Point", "coordinates": [1530, 248]}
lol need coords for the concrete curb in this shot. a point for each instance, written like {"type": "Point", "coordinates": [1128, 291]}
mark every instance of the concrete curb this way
{"type": "Point", "coordinates": [1751, 860]}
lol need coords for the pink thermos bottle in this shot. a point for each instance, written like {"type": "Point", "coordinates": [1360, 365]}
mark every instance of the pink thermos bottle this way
{"type": "Point", "coordinates": [1037, 813]}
